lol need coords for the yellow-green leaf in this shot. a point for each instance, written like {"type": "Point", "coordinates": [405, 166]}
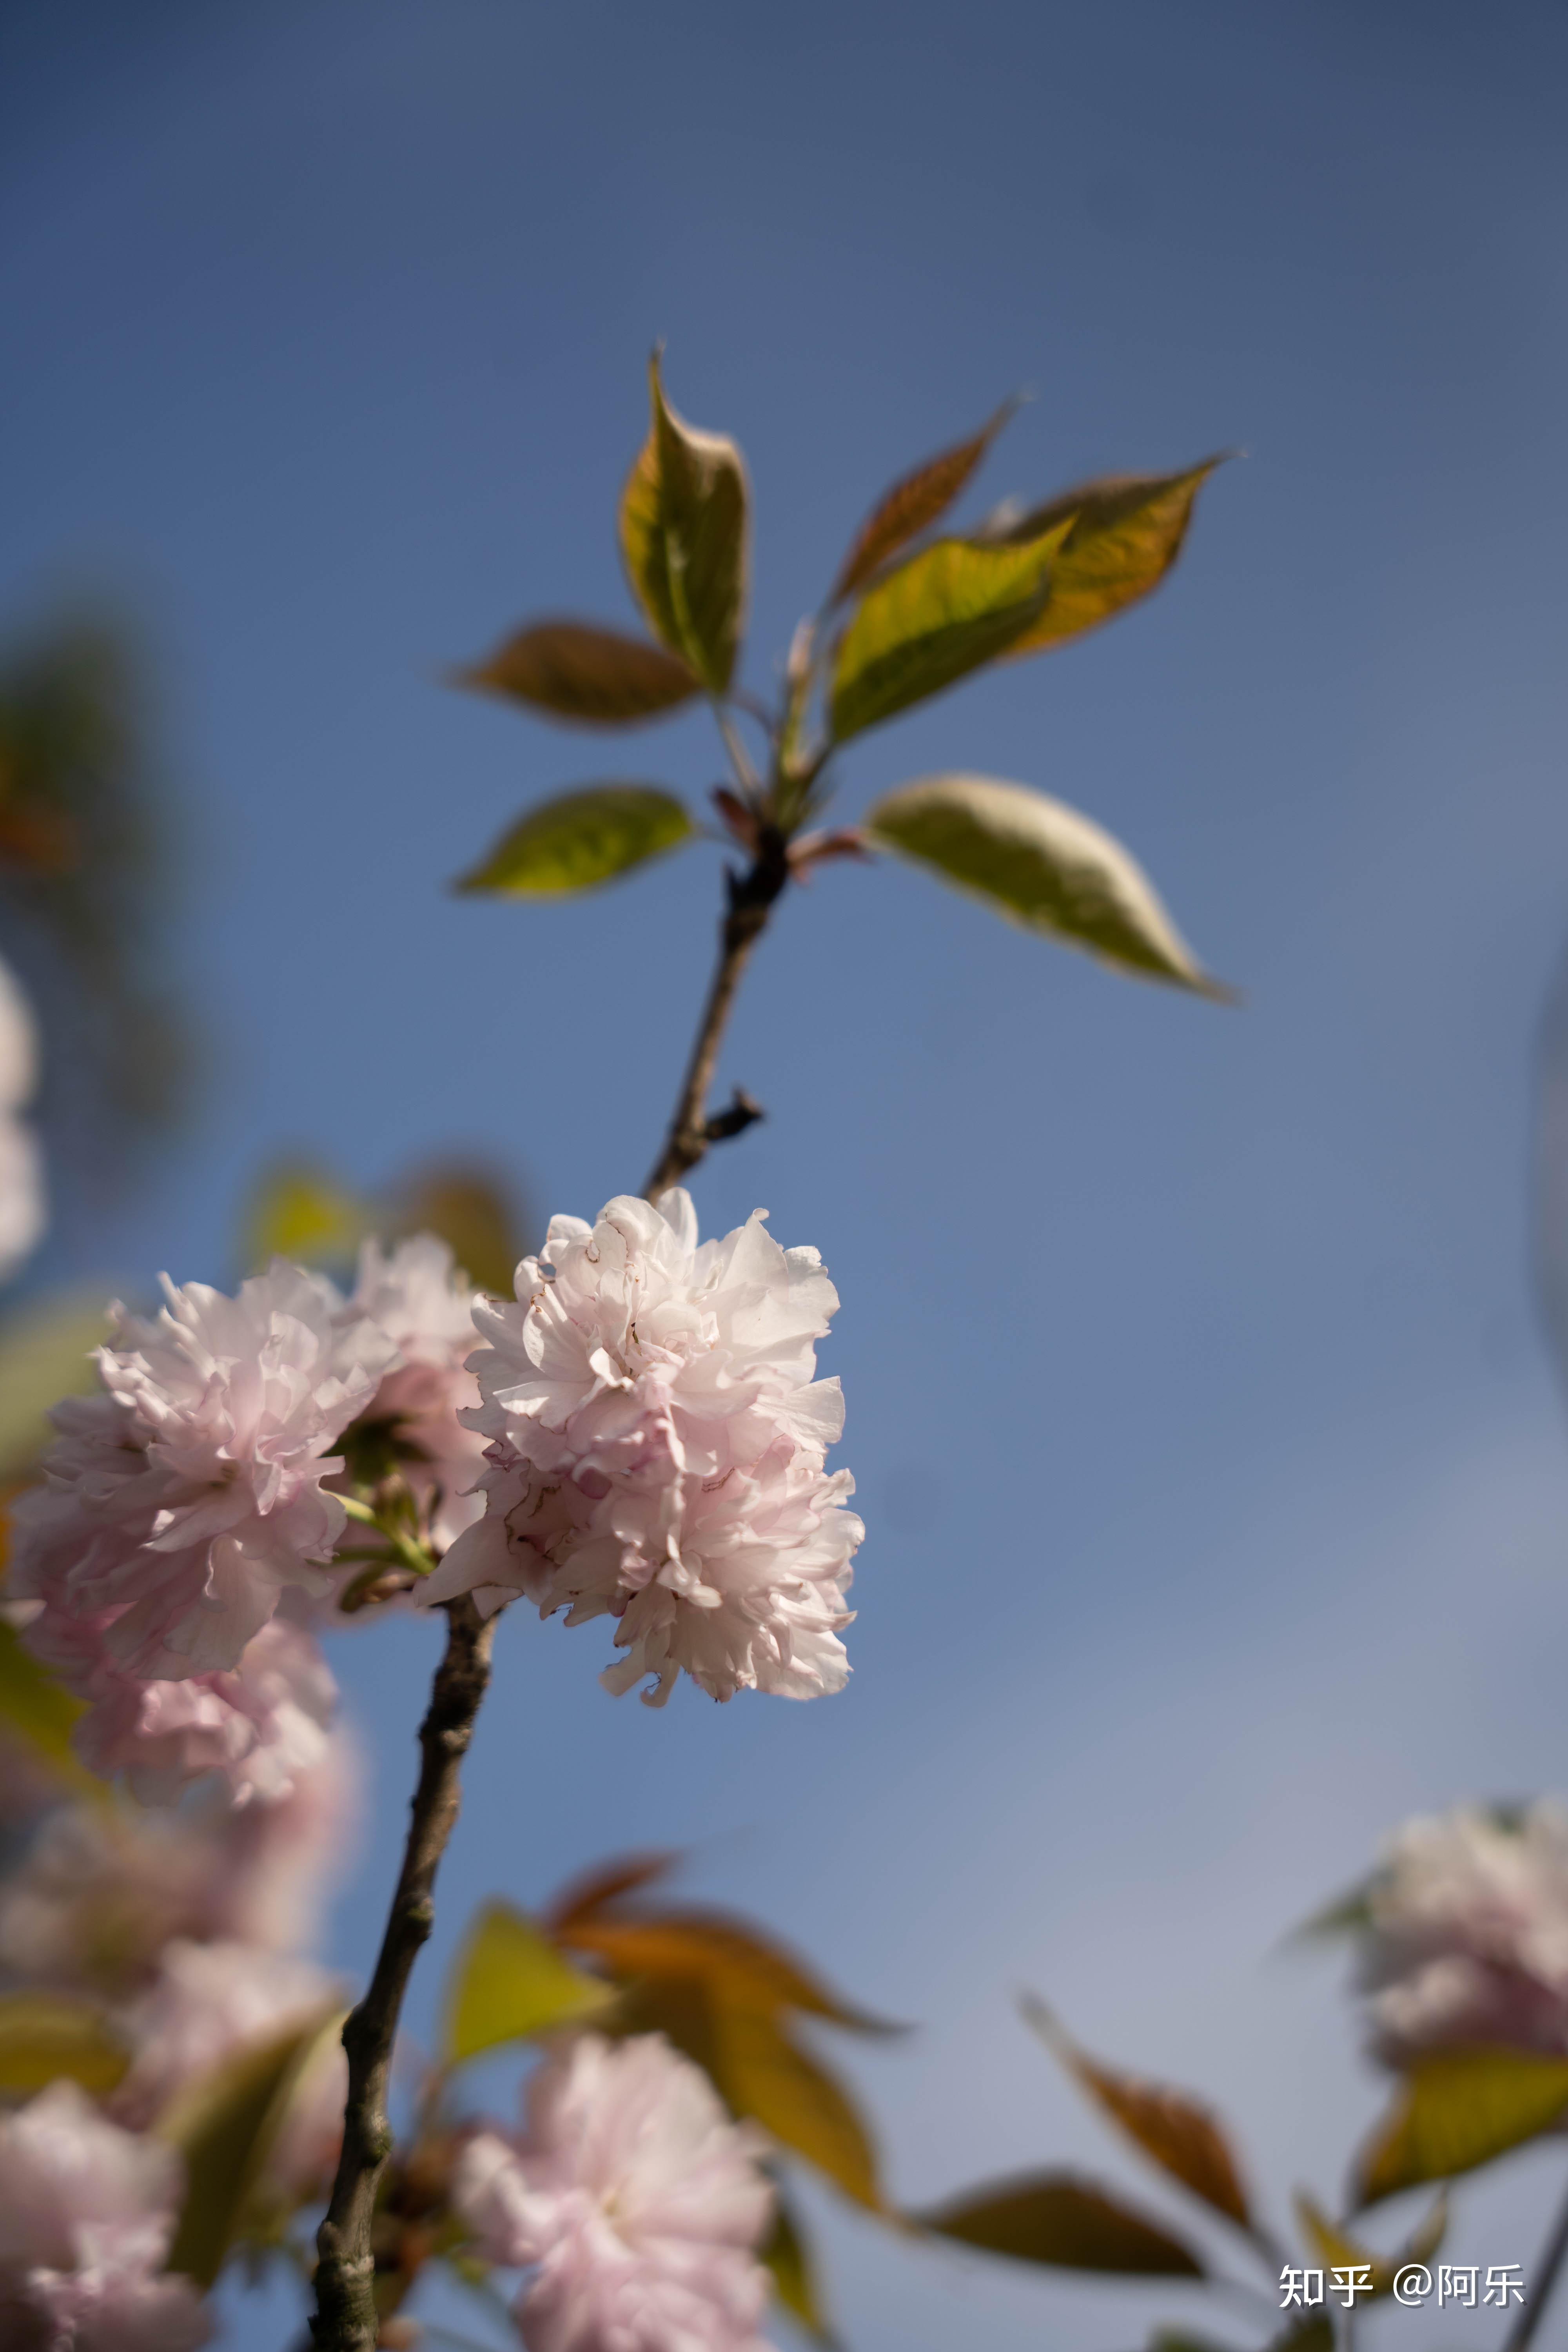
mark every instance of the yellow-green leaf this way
{"type": "Point", "coordinates": [922, 627]}
{"type": "Point", "coordinates": [1071, 2224]}
{"type": "Point", "coordinates": [45, 2035]}
{"type": "Point", "coordinates": [916, 501]}
{"type": "Point", "coordinates": [582, 839]}
{"type": "Point", "coordinates": [1334, 2246]}
{"type": "Point", "coordinates": [1182, 2135]}
{"type": "Point", "coordinates": [1459, 2109]}
{"type": "Point", "coordinates": [1126, 530]}
{"type": "Point", "coordinates": [225, 2126]}
{"type": "Point", "coordinates": [36, 1709]}
{"type": "Point", "coordinates": [1043, 864]}
{"type": "Point", "coordinates": [795, 2283]}
{"type": "Point", "coordinates": [685, 525]}
{"type": "Point", "coordinates": [577, 671]}
{"type": "Point", "coordinates": [45, 1353]}
{"type": "Point", "coordinates": [510, 1981]}
{"type": "Point", "coordinates": [301, 1211]}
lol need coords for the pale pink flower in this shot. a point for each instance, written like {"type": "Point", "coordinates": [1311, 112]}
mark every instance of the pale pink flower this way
{"type": "Point", "coordinates": [86, 2216]}
{"type": "Point", "coordinates": [23, 1207]}
{"type": "Point", "coordinates": [208, 2002]}
{"type": "Point", "coordinates": [416, 1294]}
{"type": "Point", "coordinates": [634, 2201]}
{"type": "Point", "coordinates": [1466, 1938]}
{"type": "Point", "coordinates": [186, 1497]}
{"type": "Point", "coordinates": [255, 1728]}
{"type": "Point", "coordinates": [657, 1444]}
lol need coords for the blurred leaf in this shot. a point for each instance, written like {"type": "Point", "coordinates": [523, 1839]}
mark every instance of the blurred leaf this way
{"type": "Point", "coordinates": [582, 838]}
{"type": "Point", "coordinates": [575, 670]}
{"type": "Point", "coordinates": [1183, 2136]}
{"type": "Point", "coordinates": [510, 1981]}
{"type": "Point", "coordinates": [300, 1211]}
{"type": "Point", "coordinates": [744, 1966]}
{"type": "Point", "coordinates": [1459, 2109]}
{"type": "Point", "coordinates": [582, 1896]}
{"type": "Point", "coordinates": [789, 2258]}
{"type": "Point", "coordinates": [45, 2035]}
{"type": "Point", "coordinates": [684, 529]}
{"type": "Point", "coordinates": [225, 2126]}
{"type": "Point", "coordinates": [915, 502]}
{"type": "Point", "coordinates": [943, 613]}
{"type": "Point", "coordinates": [1126, 533]}
{"type": "Point", "coordinates": [1313, 2333]}
{"type": "Point", "coordinates": [34, 1708]}
{"type": "Point", "coordinates": [1180, 2339]}
{"type": "Point", "coordinates": [45, 1353]}
{"type": "Point", "coordinates": [471, 1209]}
{"type": "Point", "coordinates": [1050, 2217]}
{"type": "Point", "coordinates": [1335, 2248]}
{"type": "Point", "coordinates": [1347, 1915]}
{"type": "Point", "coordinates": [1043, 864]}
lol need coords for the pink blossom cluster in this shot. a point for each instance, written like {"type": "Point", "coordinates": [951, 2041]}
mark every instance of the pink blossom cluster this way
{"type": "Point", "coordinates": [168, 1568]}
{"type": "Point", "coordinates": [656, 1448]}
{"type": "Point", "coordinates": [632, 2202]}
{"type": "Point", "coordinates": [1466, 1933]}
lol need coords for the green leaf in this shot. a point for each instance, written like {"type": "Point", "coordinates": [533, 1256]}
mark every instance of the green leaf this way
{"type": "Point", "coordinates": [1125, 532]}
{"type": "Point", "coordinates": [1071, 2224]}
{"type": "Point", "coordinates": [684, 536]}
{"type": "Point", "coordinates": [225, 2126]}
{"type": "Point", "coordinates": [1459, 2109]}
{"type": "Point", "coordinates": [300, 1211]}
{"type": "Point", "coordinates": [45, 1353]}
{"type": "Point", "coordinates": [1043, 864]}
{"type": "Point", "coordinates": [45, 2035]}
{"type": "Point", "coordinates": [38, 1712]}
{"type": "Point", "coordinates": [512, 1981]}
{"type": "Point", "coordinates": [916, 501]}
{"type": "Point", "coordinates": [789, 2257]}
{"type": "Point", "coordinates": [577, 671]}
{"type": "Point", "coordinates": [943, 613]}
{"type": "Point", "coordinates": [1181, 2135]}
{"type": "Point", "coordinates": [581, 839]}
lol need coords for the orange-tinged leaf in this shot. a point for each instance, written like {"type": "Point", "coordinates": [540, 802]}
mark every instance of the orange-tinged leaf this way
{"type": "Point", "coordinates": [579, 672]}
{"type": "Point", "coordinates": [1069, 2223]}
{"type": "Point", "coordinates": [916, 501]}
{"type": "Point", "coordinates": [592, 1889]}
{"type": "Point", "coordinates": [744, 1966]}
{"type": "Point", "coordinates": [685, 538]}
{"type": "Point", "coordinates": [1458, 2109]}
{"type": "Point", "coordinates": [1182, 2135]}
{"type": "Point", "coordinates": [1127, 531]}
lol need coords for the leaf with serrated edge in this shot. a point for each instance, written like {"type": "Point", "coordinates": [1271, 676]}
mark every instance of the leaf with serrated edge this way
{"type": "Point", "coordinates": [922, 627]}
{"type": "Point", "coordinates": [582, 839]}
{"type": "Point", "coordinates": [916, 501]}
{"type": "Point", "coordinates": [1458, 2109]}
{"type": "Point", "coordinates": [685, 529]}
{"type": "Point", "coordinates": [1071, 2224]}
{"type": "Point", "coordinates": [588, 675]}
{"type": "Point", "coordinates": [510, 1981]}
{"type": "Point", "coordinates": [225, 2126]}
{"type": "Point", "coordinates": [1126, 533]}
{"type": "Point", "coordinates": [45, 2035]}
{"type": "Point", "coordinates": [745, 1966]}
{"type": "Point", "coordinates": [1041, 864]}
{"type": "Point", "coordinates": [36, 1711]}
{"type": "Point", "coordinates": [1181, 2135]}
{"type": "Point", "coordinates": [788, 2256]}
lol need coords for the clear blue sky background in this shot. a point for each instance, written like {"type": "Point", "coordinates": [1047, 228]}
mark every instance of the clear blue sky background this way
{"type": "Point", "coordinates": [1215, 1477]}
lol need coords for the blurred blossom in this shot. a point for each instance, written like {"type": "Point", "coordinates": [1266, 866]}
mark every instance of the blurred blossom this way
{"type": "Point", "coordinates": [257, 1728]}
{"type": "Point", "coordinates": [185, 1497]}
{"type": "Point", "coordinates": [1466, 1934]}
{"type": "Point", "coordinates": [635, 2200]}
{"type": "Point", "coordinates": [208, 2002]}
{"type": "Point", "coordinates": [85, 2216]}
{"type": "Point", "coordinates": [656, 1441]}
{"type": "Point", "coordinates": [414, 1294]}
{"type": "Point", "coordinates": [23, 1210]}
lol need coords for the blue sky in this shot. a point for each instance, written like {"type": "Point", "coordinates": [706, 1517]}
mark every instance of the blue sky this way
{"type": "Point", "coordinates": [1214, 1473]}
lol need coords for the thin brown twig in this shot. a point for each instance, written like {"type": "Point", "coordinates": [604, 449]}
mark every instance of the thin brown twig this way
{"type": "Point", "coordinates": [346, 2318]}
{"type": "Point", "coordinates": [692, 1128]}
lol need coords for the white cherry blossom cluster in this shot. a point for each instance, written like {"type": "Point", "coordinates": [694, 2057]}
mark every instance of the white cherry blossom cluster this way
{"type": "Point", "coordinates": [1466, 1933]}
{"type": "Point", "coordinates": [655, 1447]}
{"type": "Point", "coordinates": [633, 2202]}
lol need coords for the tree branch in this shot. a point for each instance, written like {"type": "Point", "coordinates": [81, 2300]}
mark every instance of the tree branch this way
{"type": "Point", "coordinates": [346, 2318]}
{"type": "Point", "coordinates": [691, 1129]}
